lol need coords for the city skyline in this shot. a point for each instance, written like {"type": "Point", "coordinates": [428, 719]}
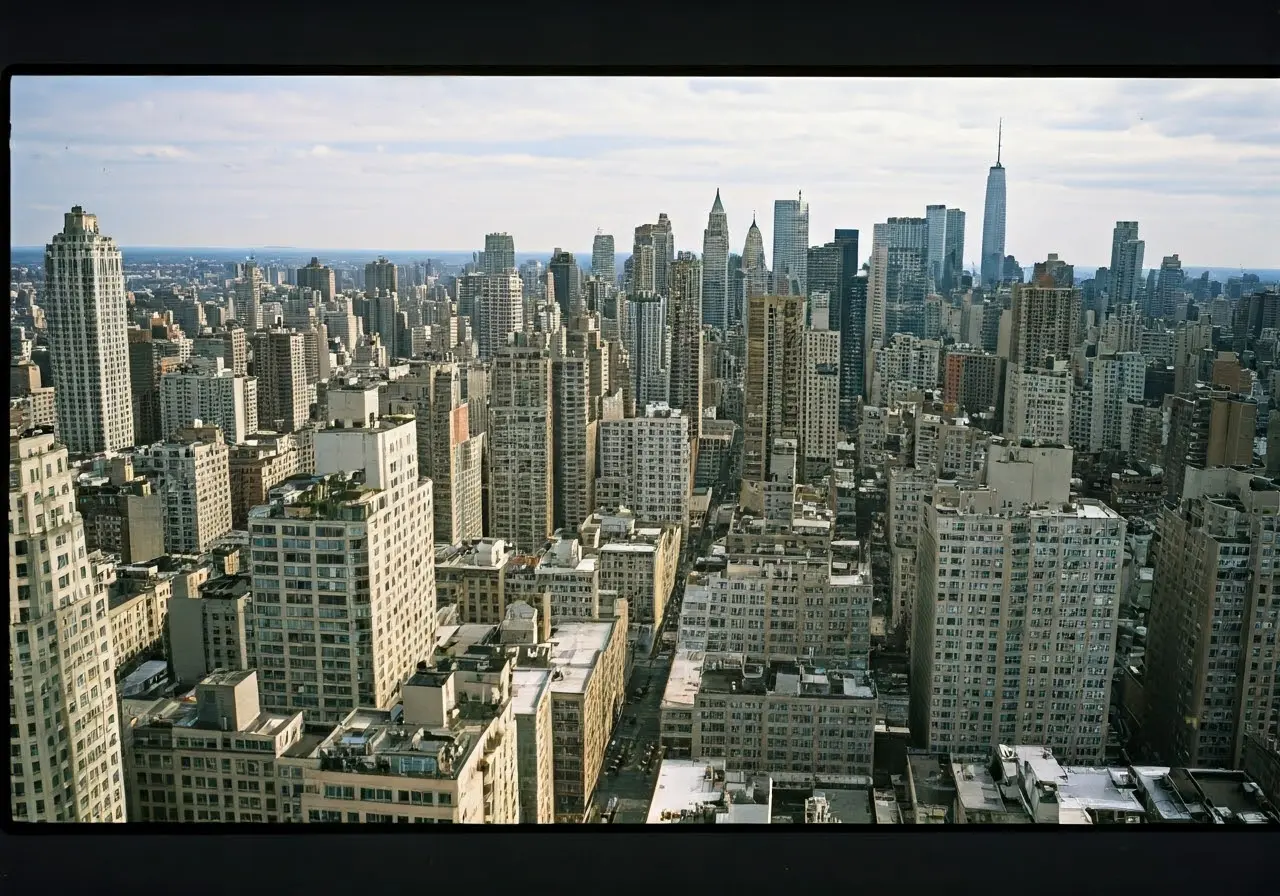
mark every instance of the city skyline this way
{"type": "Point", "coordinates": [226, 152]}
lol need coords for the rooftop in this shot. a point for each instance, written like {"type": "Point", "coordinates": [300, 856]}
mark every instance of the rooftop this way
{"type": "Point", "coordinates": [575, 649]}
{"type": "Point", "coordinates": [693, 791]}
{"type": "Point", "coordinates": [685, 679]}
{"type": "Point", "coordinates": [527, 686]}
{"type": "Point", "coordinates": [789, 679]}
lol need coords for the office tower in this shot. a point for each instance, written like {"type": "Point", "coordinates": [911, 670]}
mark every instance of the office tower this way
{"type": "Point", "coordinates": [86, 314]}
{"type": "Point", "coordinates": [684, 318]}
{"type": "Point", "coordinates": [825, 270]}
{"type": "Point", "coordinates": [387, 320]}
{"type": "Point", "coordinates": [247, 292]}
{"type": "Point", "coordinates": [211, 394]}
{"type": "Point", "coordinates": [1014, 632]}
{"type": "Point", "coordinates": [906, 288]}
{"type": "Point", "coordinates": [501, 302]}
{"type": "Point", "coordinates": [499, 253]}
{"type": "Point", "coordinates": [193, 477]}
{"type": "Point", "coordinates": [365, 511]}
{"type": "Point", "coordinates": [851, 316]}
{"type": "Point", "coordinates": [448, 453]}
{"type": "Point", "coordinates": [936, 218]}
{"type": "Point", "coordinates": [1210, 673]}
{"type": "Point", "coordinates": [953, 249]}
{"type": "Point", "coordinates": [1038, 403]}
{"type": "Point", "coordinates": [1168, 288]}
{"type": "Point", "coordinates": [1126, 265]}
{"type": "Point", "coordinates": [755, 270]}
{"type": "Point", "coordinates": [664, 253]}
{"type": "Point", "coordinates": [280, 367]}
{"type": "Point", "coordinates": [820, 402]}
{"type": "Point", "coordinates": [381, 276]}
{"type": "Point", "coordinates": [568, 282]}
{"type": "Point", "coordinates": [648, 346]}
{"type": "Point", "coordinates": [533, 276]}
{"type": "Point", "coordinates": [520, 447]}
{"type": "Point", "coordinates": [147, 364]}
{"type": "Point", "coordinates": [993, 222]}
{"type": "Point", "coordinates": [791, 241]}
{"type": "Point", "coordinates": [603, 258]}
{"type": "Point", "coordinates": [735, 300]}
{"type": "Point", "coordinates": [1045, 324]}
{"type": "Point", "coordinates": [896, 284]}
{"type": "Point", "coordinates": [645, 465]}
{"type": "Point", "coordinates": [1207, 427]}
{"type": "Point", "coordinates": [573, 434]}
{"type": "Point", "coordinates": [773, 386]}
{"type": "Point", "coordinates": [54, 612]}
{"type": "Point", "coordinates": [317, 277]}
{"type": "Point", "coordinates": [715, 267]}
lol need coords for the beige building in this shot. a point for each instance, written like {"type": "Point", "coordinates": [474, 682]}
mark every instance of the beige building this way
{"type": "Point", "coordinates": [531, 706]}
{"type": "Point", "coordinates": [472, 577]}
{"type": "Point", "coordinates": [645, 465]}
{"type": "Point", "coordinates": [122, 514]}
{"type": "Point", "coordinates": [777, 718]}
{"type": "Point", "coordinates": [261, 463]}
{"type": "Point", "coordinates": [1038, 403]}
{"type": "Point", "coordinates": [193, 475]}
{"type": "Point", "coordinates": [214, 756]}
{"type": "Point", "coordinates": [446, 755]}
{"type": "Point", "coordinates": [1045, 324]}
{"type": "Point", "coordinates": [820, 430]}
{"type": "Point", "coordinates": [574, 433]}
{"type": "Point", "coordinates": [280, 367]}
{"type": "Point", "coordinates": [209, 392]}
{"type": "Point", "coordinates": [908, 489]}
{"type": "Point", "coordinates": [642, 568]}
{"type": "Point", "coordinates": [571, 581]}
{"type": "Point", "coordinates": [209, 626]}
{"type": "Point", "coordinates": [61, 663]}
{"type": "Point", "coordinates": [138, 609]}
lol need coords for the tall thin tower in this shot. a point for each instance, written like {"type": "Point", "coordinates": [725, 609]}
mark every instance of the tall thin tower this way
{"type": "Point", "coordinates": [791, 241]}
{"type": "Point", "coordinates": [993, 219]}
{"type": "Point", "coordinates": [88, 336]}
{"type": "Point", "coordinates": [715, 270]}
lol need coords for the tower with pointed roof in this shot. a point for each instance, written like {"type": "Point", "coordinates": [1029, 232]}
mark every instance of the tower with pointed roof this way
{"type": "Point", "coordinates": [715, 268]}
{"type": "Point", "coordinates": [993, 219]}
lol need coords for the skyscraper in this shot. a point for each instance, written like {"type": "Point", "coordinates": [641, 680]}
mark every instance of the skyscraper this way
{"type": "Point", "coordinates": [86, 311]}
{"type": "Point", "coordinates": [953, 249]}
{"type": "Point", "coordinates": [317, 277]}
{"type": "Point", "coordinates": [755, 269]}
{"type": "Point", "coordinates": [773, 385]}
{"type": "Point", "coordinates": [280, 367]}
{"type": "Point", "coordinates": [791, 241]}
{"type": "Point", "coordinates": [664, 253]}
{"type": "Point", "coordinates": [573, 436]}
{"type": "Point", "coordinates": [379, 276]}
{"type": "Point", "coordinates": [499, 253]}
{"type": "Point", "coordinates": [849, 313]}
{"type": "Point", "coordinates": [521, 462]}
{"type": "Point", "coordinates": [1046, 324]}
{"type": "Point", "coordinates": [604, 258]}
{"type": "Point", "coordinates": [568, 281]}
{"type": "Point", "coordinates": [64, 733]}
{"type": "Point", "coordinates": [993, 221]}
{"type": "Point", "coordinates": [715, 268]}
{"type": "Point", "coordinates": [684, 317]}
{"type": "Point", "coordinates": [648, 346]}
{"type": "Point", "coordinates": [1126, 265]}
{"type": "Point", "coordinates": [936, 216]}
{"type": "Point", "coordinates": [1168, 288]}
{"type": "Point", "coordinates": [501, 304]}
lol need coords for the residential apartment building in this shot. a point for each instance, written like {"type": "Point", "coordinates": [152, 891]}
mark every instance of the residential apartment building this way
{"type": "Point", "coordinates": [642, 568]}
{"type": "Point", "coordinates": [774, 387]}
{"type": "Point", "coordinates": [535, 748]}
{"type": "Point", "coordinates": [520, 448]}
{"type": "Point", "coordinates": [210, 626]}
{"type": "Point", "coordinates": [820, 415]}
{"type": "Point", "coordinates": [122, 514]}
{"type": "Point", "coordinates": [1038, 404]}
{"type": "Point", "coordinates": [262, 462]}
{"type": "Point", "coordinates": [213, 395]}
{"type": "Point", "coordinates": [645, 465]}
{"type": "Point", "coordinates": [192, 473]}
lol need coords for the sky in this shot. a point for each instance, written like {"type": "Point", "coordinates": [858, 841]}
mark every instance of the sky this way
{"type": "Point", "coordinates": [437, 162]}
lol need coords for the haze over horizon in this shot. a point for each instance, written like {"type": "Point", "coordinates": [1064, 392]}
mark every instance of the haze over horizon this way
{"type": "Point", "coordinates": [208, 162]}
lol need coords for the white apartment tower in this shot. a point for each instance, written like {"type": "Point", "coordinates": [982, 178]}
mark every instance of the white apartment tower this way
{"type": "Point", "coordinates": [212, 394]}
{"type": "Point", "coordinates": [1014, 632]}
{"type": "Point", "coordinates": [521, 455]}
{"type": "Point", "coordinates": [501, 302]}
{"type": "Point", "coordinates": [280, 367]}
{"type": "Point", "coordinates": [820, 407]}
{"type": "Point", "coordinates": [344, 595]}
{"type": "Point", "coordinates": [193, 471]}
{"type": "Point", "coordinates": [85, 306]}
{"type": "Point", "coordinates": [644, 465]}
{"type": "Point", "coordinates": [1038, 403]}
{"type": "Point", "coordinates": [64, 734]}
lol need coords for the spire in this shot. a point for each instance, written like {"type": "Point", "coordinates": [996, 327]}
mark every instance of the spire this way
{"type": "Point", "coordinates": [999, 140]}
{"type": "Point", "coordinates": [717, 208]}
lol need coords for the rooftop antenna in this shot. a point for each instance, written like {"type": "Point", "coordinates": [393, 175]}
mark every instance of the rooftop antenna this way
{"type": "Point", "coordinates": [999, 140]}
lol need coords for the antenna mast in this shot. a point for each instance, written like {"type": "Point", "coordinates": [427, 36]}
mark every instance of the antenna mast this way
{"type": "Point", "coordinates": [999, 141]}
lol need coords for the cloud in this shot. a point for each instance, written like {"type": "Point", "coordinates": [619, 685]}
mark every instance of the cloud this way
{"type": "Point", "coordinates": [551, 159]}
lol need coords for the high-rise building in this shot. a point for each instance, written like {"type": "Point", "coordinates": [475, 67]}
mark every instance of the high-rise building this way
{"type": "Point", "coordinates": [993, 221]}
{"type": "Point", "coordinates": [1027, 658]}
{"type": "Point", "coordinates": [1126, 265]}
{"type": "Point", "coordinates": [684, 318]}
{"type": "Point", "coordinates": [664, 253]}
{"type": "Point", "coordinates": [715, 267]}
{"type": "Point", "coordinates": [755, 268]}
{"type": "Point", "coordinates": [820, 401]}
{"type": "Point", "coordinates": [193, 475]}
{"type": "Point", "coordinates": [247, 293]}
{"type": "Point", "coordinates": [1038, 403]}
{"type": "Point", "coordinates": [1168, 288]}
{"type": "Point", "coordinates": [851, 317]}
{"type": "Point", "coordinates": [1207, 427]}
{"type": "Point", "coordinates": [568, 281]}
{"type": "Point", "coordinates": [936, 218]}
{"type": "Point", "coordinates": [791, 242]}
{"type": "Point", "coordinates": [649, 347]}
{"type": "Point", "coordinates": [55, 612]}
{"type": "Point", "coordinates": [645, 465]}
{"type": "Point", "coordinates": [573, 434]}
{"type": "Point", "coordinates": [87, 318]}
{"type": "Point", "coordinates": [147, 364]}
{"type": "Point", "coordinates": [280, 367]}
{"type": "Point", "coordinates": [1045, 324]}
{"type": "Point", "coordinates": [520, 447]}
{"type": "Point", "coordinates": [499, 253]}
{"type": "Point", "coordinates": [1117, 382]}
{"type": "Point", "coordinates": [317, 277]}
{"type": "Point", "coordinates": [896, 285]}
{"type": "Point", "coordinates": [381, 275]}
{"type": "Point", "coordinates": [1209, 677]}
{"type": "Point", "coordinates": [212, 394]}
{"type": "Point", "coordinates": [953, 250]}
{"type": "Point", "coordinates": [773, 386]}
{"type": "Point", "coordinates": [604, 260]}
{"type": "Point", "coordinates": [501, 305]}
{"type": "Point", "coordinates": [366, 511]}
